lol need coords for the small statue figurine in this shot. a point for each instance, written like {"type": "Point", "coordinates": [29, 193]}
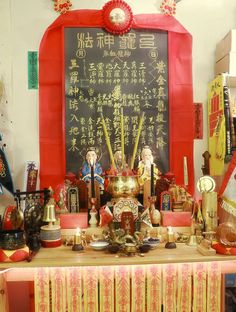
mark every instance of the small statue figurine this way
{"type": "Point", "coordinates": [61, 192]}
{"type": "Point", "coordinates": [144, 166]}
{"type": "Point", "coordinates": [118, 160]}
{"type": "Point", "coordinates": [118, 163]}
{"type": "Point", "coordinates": [121, 165]}
{"type": "Point", "coordinates": [91, 160]}
{"type": "Point", "coordinates": [181, 199]}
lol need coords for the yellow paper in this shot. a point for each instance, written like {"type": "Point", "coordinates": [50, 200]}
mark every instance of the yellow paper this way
{"type": "Point", "coordinates": [216, 126]}
{"type": "Point", "coordinates": [154, 289]}
{"type": "Point", "coordinates": [169, 287]}
{"type": "Point", "coordinates": [3, 297]}
{"type": "Point", "coordinates": [90, 278]}
{"type": "Point", "coordinates": [41, 290]}
{"type": "Point", "coordinates": [199, 287]}
{"type": "Point", "coordinates": [58, 289]}
{"type": "Point", "coordinates": [122, 288]}
{"type": "Point", "coordinates": [138, 288]}
{"type": "Point", "coordinates": [214, 287]}
{"type": "Point", "coordinates": [106, 278]}
{"type": "Point", "coordinates": [184, 289]}
{"type": "Point", "coordinates": [74, 289]}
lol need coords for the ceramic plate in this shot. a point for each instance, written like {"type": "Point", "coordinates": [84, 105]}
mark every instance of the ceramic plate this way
{"type": "Point", "coordinates": [153, 242]}
{"type": "Point", "coordinates": [100, 245]}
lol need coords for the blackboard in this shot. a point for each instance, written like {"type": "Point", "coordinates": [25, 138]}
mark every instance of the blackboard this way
{"type": "Point", "coordinates": [103, 73]}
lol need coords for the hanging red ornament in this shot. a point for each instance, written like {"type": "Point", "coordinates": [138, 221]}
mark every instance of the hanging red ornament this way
{"type": "Point", "coordinates": [117, 17]}
{"type": "Point", "coordinates": [62, 6]}
{"type": "Point", "coordinates": [168, 7]}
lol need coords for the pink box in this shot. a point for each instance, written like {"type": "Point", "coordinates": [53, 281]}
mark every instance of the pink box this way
{"type": "Point", "coordinates": [170, 218]}
{"type": "Point", "coordinates": [74, 220]}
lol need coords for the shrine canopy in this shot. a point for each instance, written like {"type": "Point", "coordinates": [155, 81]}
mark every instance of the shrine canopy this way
{"type": "Point", "coordinates": [52, 93]}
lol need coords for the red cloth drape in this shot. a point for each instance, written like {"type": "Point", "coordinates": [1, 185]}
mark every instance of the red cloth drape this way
{"type": "Point", "coordinates": [51, 85]}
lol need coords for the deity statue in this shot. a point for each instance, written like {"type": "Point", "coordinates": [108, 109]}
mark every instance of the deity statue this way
{"type": "Point", "coordinates": [91, 160]}
{"type": "Point", "coordinates": [118, 160]}
{"type": "Point", "coordinates": [118, 164]}
{"type": "Point", "coordinates": [179, 194]}
{"type": "Point", "coordinates": [121, 165]}
{"type": "Point", "coordinates": [144, 166]}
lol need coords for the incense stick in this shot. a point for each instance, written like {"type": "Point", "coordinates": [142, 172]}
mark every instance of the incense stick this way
{"type": "Point", "coordinates": [122, 137]}
{"type": "Point", "coordinates": [108, 141]}
{"type": "Point", "coordinates": [137, 140]}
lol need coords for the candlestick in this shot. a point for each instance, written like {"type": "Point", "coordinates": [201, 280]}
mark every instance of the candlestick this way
{"type": "Point", "coordinates": [122, 136]}
{"type": "Point", "coordinates": [77, 237]}
{"type": "Point", "coordinates": [108, 142]}
{"type": "Point", "coordinates": [152, 180]}
{"type": "Point", "coordinates": [185, 171]}
{"type": "Point", "coordinates": [170, 238]}
{"type": "Point", "coordinates": [136, 141]}
{"type": "Point", "coordinates": [92, 182]}
{"type": "Point", "coordinates": [77, 241]}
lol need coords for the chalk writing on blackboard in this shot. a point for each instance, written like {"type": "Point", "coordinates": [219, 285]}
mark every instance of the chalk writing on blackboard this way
{"type": "Point", "coordinates": [104, 73]}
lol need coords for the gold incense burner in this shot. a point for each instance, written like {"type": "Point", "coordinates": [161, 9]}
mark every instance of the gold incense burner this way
{"type": "Point", "coordinates": [130, 248]}
{"type": "Point", "coordinates": [123, 186]}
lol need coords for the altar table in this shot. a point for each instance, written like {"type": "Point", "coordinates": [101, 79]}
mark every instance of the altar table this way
{"type": "Point", "coordinates": [166, 280]}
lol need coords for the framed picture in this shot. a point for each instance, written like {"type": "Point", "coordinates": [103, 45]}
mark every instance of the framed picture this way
{"type": "Point", "coordinates": [73, 199]}
{"type": "Point", "coordinates": [166, 202]}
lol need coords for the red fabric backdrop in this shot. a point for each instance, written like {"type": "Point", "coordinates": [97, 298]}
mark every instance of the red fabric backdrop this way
{"type": "Point", "coordinates": [51, 84]}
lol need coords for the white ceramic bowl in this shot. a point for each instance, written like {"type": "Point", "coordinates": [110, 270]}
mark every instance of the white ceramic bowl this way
{"type": "Point", "coordinates": [153, 242]}
{"type": "Point", "coordinates": [99, 245]}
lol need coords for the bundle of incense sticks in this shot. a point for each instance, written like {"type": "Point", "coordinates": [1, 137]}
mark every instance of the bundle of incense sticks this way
{"type": "Point", "coordinates": [122, 140]}
{"type": "Point", "coordinates": [137, 141]}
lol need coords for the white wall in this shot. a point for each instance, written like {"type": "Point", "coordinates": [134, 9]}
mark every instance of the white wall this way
{"type": "Point", "coordinates": [22, 26]}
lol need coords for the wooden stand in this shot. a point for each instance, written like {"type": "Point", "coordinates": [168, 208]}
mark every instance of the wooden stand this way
{"type": "Point", "coordinates": [205, 248]}
{"type": "Point", "coordinates": [206, 251]}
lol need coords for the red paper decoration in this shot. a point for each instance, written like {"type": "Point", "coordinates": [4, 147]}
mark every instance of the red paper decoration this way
{"type": "Point", "coordinates": [168, 7]}
{"type": "Point", "coordinates": [198, 110]}
{"type": "Point", "coordinates": [224, 250]}
{"type": "Point", "coordinates": [14, 255]}
{"type": "Point", "coordinates": [117, 17]}
{"type": "Point", "coordinates": [62, 6]}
